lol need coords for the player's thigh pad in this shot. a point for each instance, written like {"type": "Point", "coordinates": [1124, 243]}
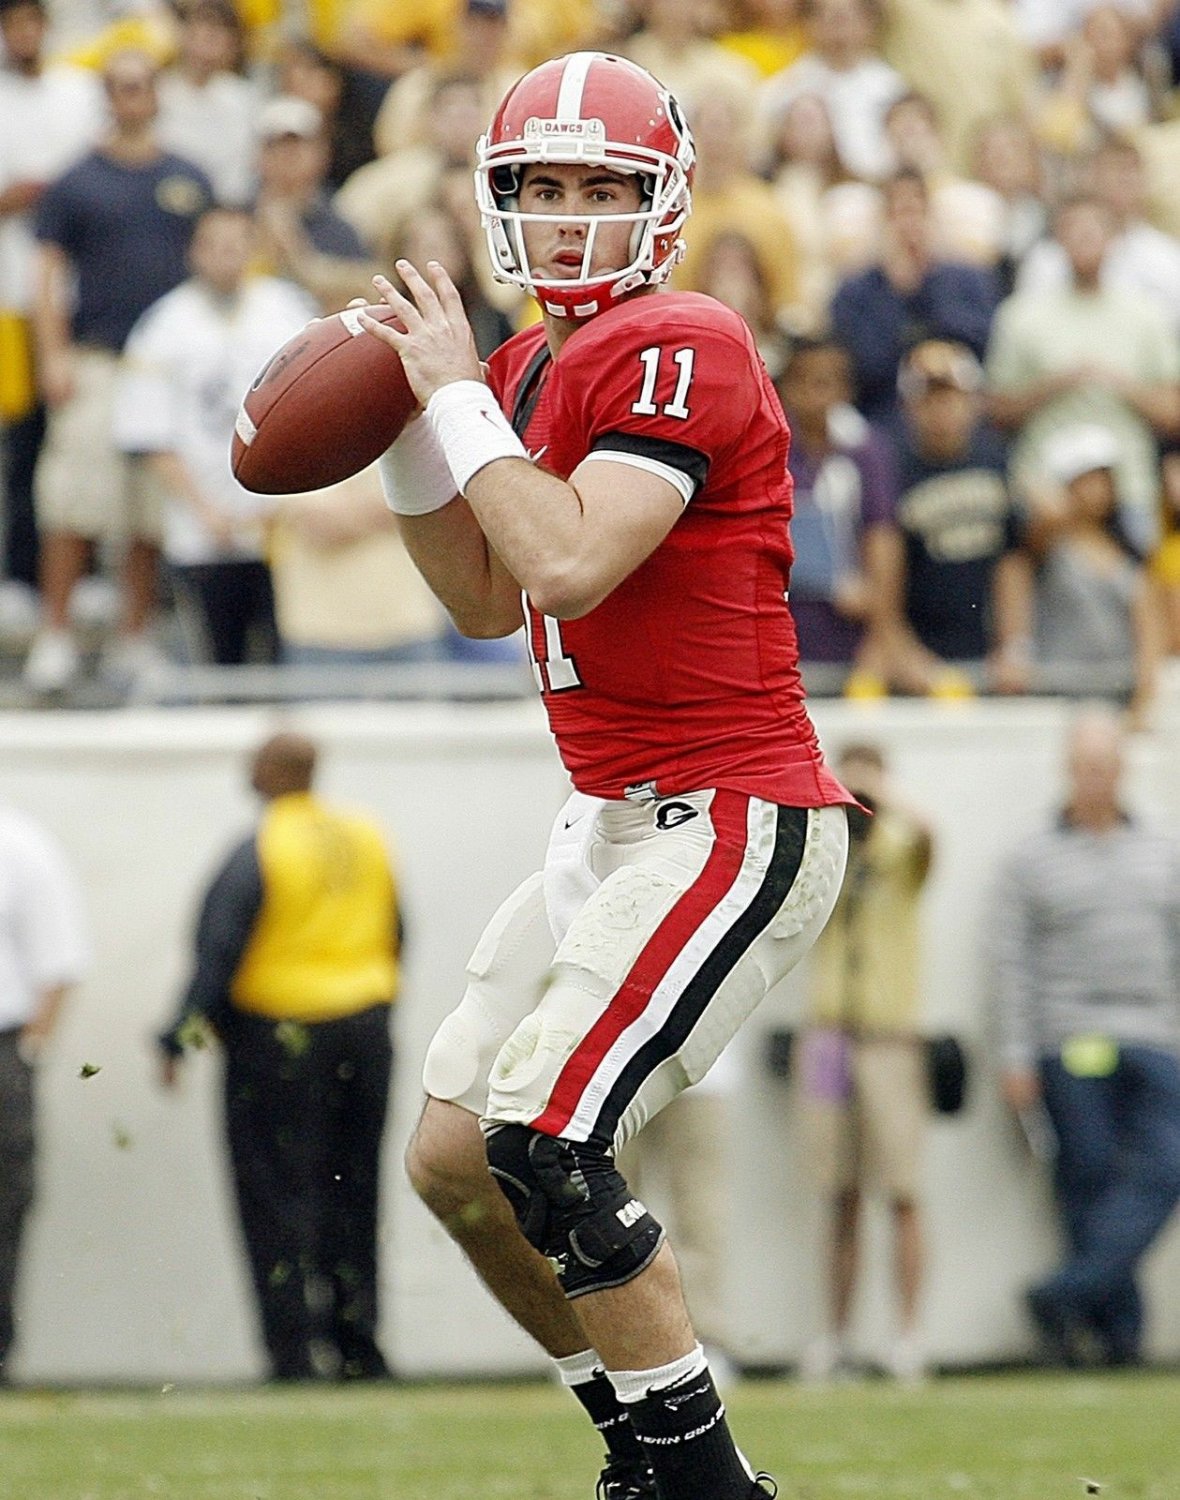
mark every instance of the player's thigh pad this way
{"type": "Point", "coordinates": [695, 920]}
{"type": "Point", "coordinates": [505, 978]}
{"type": "Point", "coordinates": [733, 986]}
{"type": "Point", "coordinates": [597, 968]}
{"type": "Point", "coordinates": [573, 1206]}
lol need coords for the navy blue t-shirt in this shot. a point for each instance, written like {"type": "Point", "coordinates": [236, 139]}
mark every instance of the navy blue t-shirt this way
{"type": "Point", "coordinates": [957, 521]}
{"type": "Point", "coordinates": [126, 229]}
{"type": "Point", "coordinates": [877, 324]}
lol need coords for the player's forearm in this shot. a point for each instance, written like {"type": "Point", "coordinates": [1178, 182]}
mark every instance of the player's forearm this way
{"type": "Point", "coordinates": [535, 522]}
{"type": "Point", "coordinates": [469, 580]}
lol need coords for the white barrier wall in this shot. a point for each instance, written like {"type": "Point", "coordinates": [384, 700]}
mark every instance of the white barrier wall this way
{"type": "Point", "coordinates": [132, 1266]}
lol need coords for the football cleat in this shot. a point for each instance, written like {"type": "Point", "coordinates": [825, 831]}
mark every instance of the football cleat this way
{"type": "Point", "coordinates": [627, 1479]}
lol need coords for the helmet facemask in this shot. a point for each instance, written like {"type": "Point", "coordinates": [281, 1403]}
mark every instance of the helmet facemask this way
{"type": "Point", "coordinates": [655, 246]}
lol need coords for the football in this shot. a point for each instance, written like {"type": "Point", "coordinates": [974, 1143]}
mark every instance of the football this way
{"type": "Point", "coordinates": [322, 408]}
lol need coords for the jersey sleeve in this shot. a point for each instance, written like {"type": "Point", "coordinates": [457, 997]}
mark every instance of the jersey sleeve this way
{"type": "Point", "coordinates": [663, 393]}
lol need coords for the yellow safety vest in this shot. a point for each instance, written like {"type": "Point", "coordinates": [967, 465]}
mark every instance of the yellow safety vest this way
{"type": "Point", "coordinates": [324, 944]}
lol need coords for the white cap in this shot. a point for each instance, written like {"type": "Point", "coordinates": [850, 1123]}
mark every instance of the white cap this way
{"type": "Point", "coordinates": [1075, 451]}
{"type": "Point", "coordinates": [289, 115]}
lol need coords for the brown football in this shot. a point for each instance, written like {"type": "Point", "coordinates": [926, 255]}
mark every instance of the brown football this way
{"type": "Point", "coordinates": [322, 408]}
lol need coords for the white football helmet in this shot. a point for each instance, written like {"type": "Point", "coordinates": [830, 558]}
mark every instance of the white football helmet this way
{"type": "Point", "coordinates": [597, 108]}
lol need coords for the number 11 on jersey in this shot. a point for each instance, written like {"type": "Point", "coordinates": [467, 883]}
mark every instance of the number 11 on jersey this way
{"type": "Point", "coordinates": [554, 670]}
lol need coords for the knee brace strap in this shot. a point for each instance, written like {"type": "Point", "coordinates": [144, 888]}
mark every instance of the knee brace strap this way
{"type": "Point", "coordinates": [573, 1206]}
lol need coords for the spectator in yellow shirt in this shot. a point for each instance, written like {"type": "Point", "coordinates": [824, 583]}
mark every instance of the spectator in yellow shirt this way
{"type": "Point", "coordinates": [295, 969]}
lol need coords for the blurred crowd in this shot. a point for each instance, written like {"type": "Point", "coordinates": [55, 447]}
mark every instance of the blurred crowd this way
{"type": "Point", "coordinates": [952, 225]}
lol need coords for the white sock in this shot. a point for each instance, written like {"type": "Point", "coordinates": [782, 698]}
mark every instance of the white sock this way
{"type": "Point", "coordinates": [633, 1385]}
{"type": "Point", "coordinates": [577, 1369]}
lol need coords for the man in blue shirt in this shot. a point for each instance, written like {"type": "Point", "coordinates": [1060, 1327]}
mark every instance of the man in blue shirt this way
{"type": "Point", "coordinates": [113, 235]}
{"type": "Point", "coordinates": [908, 295]}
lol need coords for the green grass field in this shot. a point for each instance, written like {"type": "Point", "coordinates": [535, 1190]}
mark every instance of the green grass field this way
{"type": "Point", "coordinates": [1013, 1437]}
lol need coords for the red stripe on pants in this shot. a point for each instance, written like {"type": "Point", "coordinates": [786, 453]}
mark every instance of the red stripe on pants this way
{"type": "Point", "coordinates": [728, 813]}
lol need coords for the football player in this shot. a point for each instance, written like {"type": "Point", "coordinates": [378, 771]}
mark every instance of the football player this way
{"type": "Point", "coordinates": [618, 483]}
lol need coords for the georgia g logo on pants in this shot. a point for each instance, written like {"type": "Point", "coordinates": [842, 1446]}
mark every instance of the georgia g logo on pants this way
{"type": "Point", "coordinates": [672, 814]}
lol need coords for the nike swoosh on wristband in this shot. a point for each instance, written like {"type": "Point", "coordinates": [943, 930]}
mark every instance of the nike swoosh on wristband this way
{"type": "Point", "coordinates": [533, 457]}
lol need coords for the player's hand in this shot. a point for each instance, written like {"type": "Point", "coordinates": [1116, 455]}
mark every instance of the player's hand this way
{"type": "Point", "coordinates": [437, 347]}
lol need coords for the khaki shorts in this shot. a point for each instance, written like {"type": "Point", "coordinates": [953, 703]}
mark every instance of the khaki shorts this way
{"type": "Point", "coordinates": [863, 1107]}
{"type": "Point", "coordinates": [83, 483]}
{"type": "Point", "coordinates": [613, 979]}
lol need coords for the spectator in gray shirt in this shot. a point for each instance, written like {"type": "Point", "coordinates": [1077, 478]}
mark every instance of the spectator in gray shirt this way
{"type": "Point", "coordinates": [1086, 935]}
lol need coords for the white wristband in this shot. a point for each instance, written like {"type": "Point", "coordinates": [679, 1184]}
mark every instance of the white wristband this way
{"type": "Point", "coordinates": [415, 475]}
{"type": "Point", "coordinates": [472, 429]}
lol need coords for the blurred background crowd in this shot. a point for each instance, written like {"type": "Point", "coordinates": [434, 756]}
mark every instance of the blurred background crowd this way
{"type": "Point", "coordinates": [952, 224]}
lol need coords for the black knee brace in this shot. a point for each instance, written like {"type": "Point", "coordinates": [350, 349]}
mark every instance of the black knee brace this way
{"type": "Point", "coordinates": [573, 1206]}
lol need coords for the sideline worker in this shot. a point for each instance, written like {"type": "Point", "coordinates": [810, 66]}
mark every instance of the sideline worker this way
{"type": "Point", "coordinates": [296, 965]}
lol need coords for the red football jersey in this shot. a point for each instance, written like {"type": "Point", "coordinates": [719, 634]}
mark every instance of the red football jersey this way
{"type": "Point", "coordinates": [686, 675]}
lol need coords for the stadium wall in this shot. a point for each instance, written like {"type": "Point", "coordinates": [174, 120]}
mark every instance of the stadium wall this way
{"type": "Point", "coordinates": [133, 1271]}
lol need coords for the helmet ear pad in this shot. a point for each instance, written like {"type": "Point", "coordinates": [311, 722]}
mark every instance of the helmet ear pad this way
{"type": "Point", "coordinates": [646, 200]}
{"type": "Point", "coordinates": [504, 183]}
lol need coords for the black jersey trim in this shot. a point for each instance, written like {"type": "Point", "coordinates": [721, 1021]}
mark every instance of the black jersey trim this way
{"type": "Point", "coordinates": [528, 392]}
{"type": "Point", "coordinates": [690, 461]}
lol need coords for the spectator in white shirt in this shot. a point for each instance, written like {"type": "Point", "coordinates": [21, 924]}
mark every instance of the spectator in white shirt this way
{"type": "Point", "coordinates": [207, 108]}
{"type": "Point", "coordinates": [43, 953]}
{"type": "Point", "coordinates": [187, 363]}
{"type": "Point", "coordinates": [49, 116]}
{"type": "Point", "coordinates": [846, 71]}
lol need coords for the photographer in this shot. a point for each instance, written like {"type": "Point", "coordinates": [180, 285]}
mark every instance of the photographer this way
{"type": "Point", "coordinates": [861, 1062]}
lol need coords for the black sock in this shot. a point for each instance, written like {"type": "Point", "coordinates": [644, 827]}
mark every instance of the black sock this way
{"type": "Point", "coordinates": [683, 1431]}
{"type": "Point", "coordinates": [609, 1416]}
